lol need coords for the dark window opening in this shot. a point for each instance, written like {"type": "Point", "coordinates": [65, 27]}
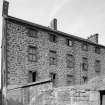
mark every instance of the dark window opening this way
{"type": "Point", "coordinates": [53, 77]}
{"type": "Point", "coordinates": [102, 97]}
{"type": "Point", "coordinates": [52, 38]}
{"type": "Point", "coordinates": [32, 76]}
{"type": "Point", "coordinates": [85, 79]}
{"type": "Point", "coordinates": [69, 42]}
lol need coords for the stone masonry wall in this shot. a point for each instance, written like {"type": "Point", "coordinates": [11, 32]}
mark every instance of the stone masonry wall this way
{"type": "Point", "coordinates": [44, 94]}
{"type": "Point", "coordinates": [18, 41]}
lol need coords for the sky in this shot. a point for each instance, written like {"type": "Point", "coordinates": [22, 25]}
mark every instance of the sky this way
{"type": "Point", "coordinates": [77, 17]}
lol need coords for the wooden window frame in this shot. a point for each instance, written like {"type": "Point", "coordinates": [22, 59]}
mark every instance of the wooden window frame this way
{"type": "Point", "coordinates": [52, 57]}
{"type": "Point", "coordinates": [31, 55]}
{"type": "Point", "coordinates": [31, 76]}
{"type": "Point", "coordinates": [85, 64]}
{"type": "Point", "coordinates": [52, 37]}
{"type": "Point", "coordinates": [69, 61]}
{"type": "Point", "coordinates": [68, 42]}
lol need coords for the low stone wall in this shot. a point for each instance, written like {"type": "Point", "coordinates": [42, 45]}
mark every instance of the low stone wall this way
{"type": "Point", "coordinates": [24, 95]}
{"type": "Point", "coordinates": [14, 97]}
{"type": "Point", "coordinates": [44, 94]}
{"type": "Point", "coordinates": [73, 96]}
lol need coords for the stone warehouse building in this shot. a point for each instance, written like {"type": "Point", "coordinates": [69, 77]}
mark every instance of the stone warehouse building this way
{"type": "Point", "coordinates": [32, 52]}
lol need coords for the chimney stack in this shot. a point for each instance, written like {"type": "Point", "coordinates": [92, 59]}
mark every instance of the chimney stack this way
{"type": "Point", "coordinates": [53, 24]}
{"type": "Point", "coordinates": [5, 8]}
{"type": "Point", "coordinates": [94, 38]}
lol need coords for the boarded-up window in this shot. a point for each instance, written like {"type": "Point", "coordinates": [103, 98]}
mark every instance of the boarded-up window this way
{"type": "Point", "coordinates": [52, 57]}
{"type": "Point", "coordinates": [70, 61]}
{"type": "Point", "coordinates": [85, 64]}
{"type": "Point", "coordinates": [70, 79]}
{"type": "Point", "coordinates": [97, 66]}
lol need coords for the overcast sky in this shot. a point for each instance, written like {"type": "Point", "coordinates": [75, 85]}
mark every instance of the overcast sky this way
{"type": "Point", "coordinates": [78, 17]}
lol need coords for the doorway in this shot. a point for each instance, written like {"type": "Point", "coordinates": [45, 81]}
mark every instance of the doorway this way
{"type": "Point", "coordinates": [102, 97]}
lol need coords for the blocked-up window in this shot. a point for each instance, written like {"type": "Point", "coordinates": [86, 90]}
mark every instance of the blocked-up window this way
{"type": "Point", "coordinates": [85, 64]}
{"type": "Point", "coordinates": [32, 54]}
{"type": "Point", "coordinates": [69, 42]}
{"type": "Point", "coordinates": [70, 79]}
{"type": "Point", "coordinates": [52, 37]}
{"type": "Point", "coordinates": [33, 33]}
{"type": "Point", "coordinates": [97, 66]}
{"type": "Point", "coordinates": [52, 57]}
{"type": "Point", "coordinates": [70, 61]}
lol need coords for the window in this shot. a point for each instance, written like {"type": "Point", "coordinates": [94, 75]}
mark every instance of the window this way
{"type": "Point", "coordinates": [97, 50]}
{"type": "Point", "coordinates": [32, 76]}
{"type": "Point", "coordinates": [85, 46]}
{"type": "Point", "coordinates": [97, 66]}
{"type": "Point", "coordinates": [32, 33]}
{"type": "Point", "coordinates": [52, 57]}
{"type": "Point", "coordinates": [53, 77]}
{"type": "Point", "coordinates": [85, 79]}
{"type": "Point", "coordinates": [70, 61]}
{"type": "Point", "coordinates": [52, 38]}
{"type": "Point", "coordinates": [32, 53]}
{"type": "Point", "coordinates": [69, 42]}
{"type": "Point", "coordinates": [85, 64]}
{"type": "Point", "coordinates": [70, 79]}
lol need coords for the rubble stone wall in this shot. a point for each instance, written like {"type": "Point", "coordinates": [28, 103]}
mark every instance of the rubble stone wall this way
{"type": "Point", "coordinates": [18, 41]}
{"type": "Point", "coordinates": [27, 94]}
{"type": "Point", "coordinates": [46, 95]}
{"type": "Point", "coordinates": [14, 97]}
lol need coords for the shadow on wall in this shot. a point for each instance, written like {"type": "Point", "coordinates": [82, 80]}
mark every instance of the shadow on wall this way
{"type": "Point", "coordinates": [14, 102]}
